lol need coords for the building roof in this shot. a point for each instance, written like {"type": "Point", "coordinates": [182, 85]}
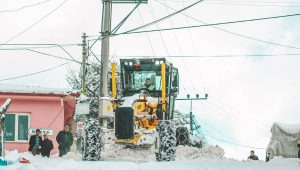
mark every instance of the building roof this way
{"type": "Point", "coordinates": [8, 88]}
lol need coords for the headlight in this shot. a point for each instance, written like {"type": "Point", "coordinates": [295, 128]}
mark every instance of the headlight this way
{"type": "Point", "coordinates": [142, 97]}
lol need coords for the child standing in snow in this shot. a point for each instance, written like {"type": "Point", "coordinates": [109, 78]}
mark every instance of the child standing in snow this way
{"type": "Point", "coordinates": [47, 146]}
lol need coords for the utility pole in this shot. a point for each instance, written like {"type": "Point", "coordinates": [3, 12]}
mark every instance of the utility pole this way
{"type": "Point", "coordinates": [191, 107]}
{"type": "Point", "coordinates": [105, 33]}
{"type": "Point", "coordinates": [84, 53]}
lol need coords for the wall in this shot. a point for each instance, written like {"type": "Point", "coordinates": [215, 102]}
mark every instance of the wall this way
{"type": "Point", "coordinates": [45, 111]}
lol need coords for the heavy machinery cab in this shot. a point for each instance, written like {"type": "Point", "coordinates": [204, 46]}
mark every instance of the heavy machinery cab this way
{"type": "Point", "coordinates": [135, 72]}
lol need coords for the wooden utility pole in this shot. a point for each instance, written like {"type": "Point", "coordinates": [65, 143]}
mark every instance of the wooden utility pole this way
{"type": "Point", "coordinates": [84, 53]}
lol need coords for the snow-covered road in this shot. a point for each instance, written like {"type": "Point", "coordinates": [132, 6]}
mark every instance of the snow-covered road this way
{"type": "Point", "coordinates": [118, 158]}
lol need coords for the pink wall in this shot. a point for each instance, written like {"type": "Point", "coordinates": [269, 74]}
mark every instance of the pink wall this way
{"type": "Point", "coordinates": [43, 111]}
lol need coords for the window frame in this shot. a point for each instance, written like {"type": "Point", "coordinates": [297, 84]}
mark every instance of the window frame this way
{"type": "Point", "coordinates": [16, 126]}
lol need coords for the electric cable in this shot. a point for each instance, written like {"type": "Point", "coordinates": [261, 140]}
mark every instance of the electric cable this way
{"type": "Point", "coordinates": [57, 45]}
{"type": "Point", "coordinates": [163, 18]}
{"type": "Point", "coordinates": [34, 72]}
{"type": "Point", "coordinates": [193, 45]}
{"type": "Point", "coordinates": [216, 130]}
{"type": "Point", "coordinates": [236, 117]}
{"type": "Point", "coordinates": [34, 23]}
{"type": "Point", "coordinates": [167, 51]}
{"type": "Point", "coordinates": [60, 110]}
{"type": "Point", "coordinates": [221, 23]}
{"type": "Point", "coordinates": [233, 143]}
{"type": "Point", "coordinates": [230, 32]}
{"type": "Point", "coordinates": [53, 56]}
{"type": "Point", "coordinates": [239, 112]}
{"type": "Point", "coordinates": [227, 145]}
{"type": "Point", "coordinates": [154, 18]}
{"type": "Point", "coordinates": [210, 56]}
{"type": "Point", "coordinates": [181, 51]}
{"type": "Point", "coordinates": [37, 46]}
{"type": "Point", "coordinates": [235, 121]}
{"type": "Point", "coordinates": [147, 33]}
{"type": "Point", "coordinates": [19, 9]}
{"type": "Point", "coordinates": [244, 3]}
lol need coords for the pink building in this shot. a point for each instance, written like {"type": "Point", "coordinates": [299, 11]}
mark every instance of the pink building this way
{"type": "Point", "coordinates": [36, 107]}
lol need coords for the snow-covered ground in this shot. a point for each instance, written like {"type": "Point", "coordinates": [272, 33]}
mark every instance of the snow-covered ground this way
{"type": "Point", "coordinates": [116, 157]}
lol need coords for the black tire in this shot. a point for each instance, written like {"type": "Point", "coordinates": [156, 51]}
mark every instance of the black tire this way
{"type": "Point", "coordinates": [111, 123]}
{"type": "Point", "coordinates": [167, 136]}
{"type": "Point", "coordinates": [182, 136]}
{"type": "Point", "coordinates": [92, 142]}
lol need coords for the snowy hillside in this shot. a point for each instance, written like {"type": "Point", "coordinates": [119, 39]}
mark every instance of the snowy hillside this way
{"type": "Point", "coordinates": [117, 157]}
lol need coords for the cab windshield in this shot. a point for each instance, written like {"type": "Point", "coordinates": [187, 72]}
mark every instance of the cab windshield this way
{"type": "Point", "coordinates": [135, 80]}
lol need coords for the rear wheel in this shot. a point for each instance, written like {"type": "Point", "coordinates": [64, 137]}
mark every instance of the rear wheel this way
{"type": "Point", "coordinates": [167, 141]}
{"type": "Point", "coordinates": [182, 136]}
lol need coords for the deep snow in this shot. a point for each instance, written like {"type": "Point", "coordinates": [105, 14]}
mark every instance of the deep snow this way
{"type": "Point", "coordinates": [116, 157]}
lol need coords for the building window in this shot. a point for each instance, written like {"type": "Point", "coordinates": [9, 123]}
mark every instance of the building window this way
{"type": "Point", "coordinates": [16, 126]}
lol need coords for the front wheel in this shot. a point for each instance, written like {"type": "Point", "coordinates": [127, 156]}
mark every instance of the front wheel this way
{"type": "Point", "coordinates": [92, 142]}
{"type": "Point", "coordinates": [167, 140]}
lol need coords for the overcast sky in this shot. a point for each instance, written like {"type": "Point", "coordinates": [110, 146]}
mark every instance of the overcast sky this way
{"type": "Point", "coordinates": [247, 94]}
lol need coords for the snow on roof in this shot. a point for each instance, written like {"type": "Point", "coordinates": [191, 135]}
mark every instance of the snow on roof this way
{"type": "Point", "coordinates": [31, 89]}
{"type": "Point", "coordinates": [292, 129]}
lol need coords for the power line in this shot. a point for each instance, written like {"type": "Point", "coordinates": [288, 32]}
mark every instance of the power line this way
{"type": "Point", "coordinates": [61, 109]}
{"type": "Point", "coordinates": [181, 51]}
{"type": "Point", "coordinates": [240, 35]}
{"type": "Point", "coordinates": [193, 45]}
{"type": "Point", "coordinates": [235, 120]}
{"type": "Point", "coordinates": [235, 116]}
{"type": "Point", "coordinates": [256, 5]}
{"type": "Point", "coordinates": [233, 143]}
{"type": "Point", "coordinates": [15, 10]}
{"type": "Point", "coordinates": [244, 3]}
{"type": "Point", "coordinates": [147, 33]}
{"type": "Point", "coordinates": [243, 154]}
{"type": "Point", "coordinates": [34, 23]}
{"type": "Point", "coordinates": [209, 56]}
{"type": "Point", "coordinates": [53, 56]}
{"type": "Point", "coordinates": [157, 26]}
{"type": "Point", "coordinates": [239, 112]}
{"type": "Point", "coordinates": [34, 73]}
{"type": "Point", "coordinates": [221, 23]}
{"type": "Point", "coordinates": [37, 46]}
{"type": "Point", "coordinates": [163, 18]}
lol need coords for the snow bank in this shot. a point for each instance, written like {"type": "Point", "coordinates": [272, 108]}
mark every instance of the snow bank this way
{"type": "Point", "coordinates": [12, 157]}
{"type": "Point", "coordinates": [116, 157]}
{"type": "Point", "coordinates": [142, 155]}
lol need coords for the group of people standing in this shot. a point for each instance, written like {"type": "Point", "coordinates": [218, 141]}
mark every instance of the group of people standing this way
{"type": "Point", "coordinates": [64, 138]}
{"type": "Point", "coordinates": [37, 145]}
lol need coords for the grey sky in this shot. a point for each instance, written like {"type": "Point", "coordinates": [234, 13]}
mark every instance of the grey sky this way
{"type": "Point", "coordinates": [265, 89]}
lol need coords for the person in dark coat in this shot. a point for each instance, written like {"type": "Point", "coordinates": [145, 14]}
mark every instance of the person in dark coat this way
{"type": "Point", "coordinates": [65, 139]}
{"type": "Point", "coordinates": [252, 156]}
{"type": "Point", "coordinates": [35, 143]}
{"type": "Point", "coordinates": [47, 146]}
